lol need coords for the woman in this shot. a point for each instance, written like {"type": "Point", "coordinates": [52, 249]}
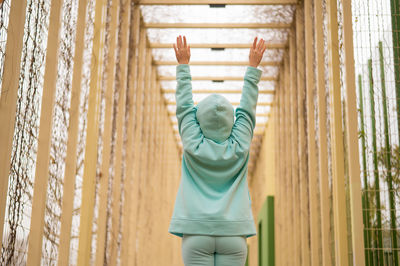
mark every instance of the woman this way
{"type": "Point", "coordinates": [212, 210]}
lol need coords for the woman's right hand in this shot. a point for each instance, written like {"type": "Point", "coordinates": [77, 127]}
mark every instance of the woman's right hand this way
{"type": "Point", "coordinates": [257, 52]}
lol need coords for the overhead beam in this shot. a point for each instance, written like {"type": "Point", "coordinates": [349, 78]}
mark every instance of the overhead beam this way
{"type": "Point", "coordinates": [218, 91]}
{"type": "Point", "coordinates": [218, 25]}
{"type": "Point", "coordinates": [217, 63]}
{"type": "Point", "coordinates": [208, 2]}
{"type": "Point", "coordinates": [220, 45]}
{"type": "Point", "coordinates": [232, 78]}
{"type": "Point", "coordinates": [233, 103]}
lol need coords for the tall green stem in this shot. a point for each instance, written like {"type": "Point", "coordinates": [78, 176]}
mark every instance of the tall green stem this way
{"type": "Point", "coordinates": [387, 158]}
{"type": "Point", "coordinates": [395, 10]}
{"type": "Point", "coordinates": [375, 161]}
{"type": "Point", "coordinates": [365, 199]}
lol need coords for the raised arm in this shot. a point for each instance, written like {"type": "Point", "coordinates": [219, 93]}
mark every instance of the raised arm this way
{"type": "Point", "coordinates": [185, 110]}
{"type": "Point", "coordinates": [246, 111]}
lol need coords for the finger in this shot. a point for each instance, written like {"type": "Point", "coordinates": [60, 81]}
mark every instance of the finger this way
{"type": "Point", "coordinates": [265, 47]}
{"type": "Point", "coordinates": [177, 42]}
{"type": "Point", "coordinates": [255, 43]}
{"type": "Point", "coordinates": [189, 50]}
{"type": "Point", "coordinates": [176, 50]}
{"type": "Point", "coordinates": [184, 42]}
{"type": "Point", "coordinates": [259, 44]}
{"type": "Point", "coordinates": [180, 41]}
{"type": "Point", "coordinates": [262, 45]}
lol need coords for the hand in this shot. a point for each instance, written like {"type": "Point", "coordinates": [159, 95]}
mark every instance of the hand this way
{"type": "Point", "coordinates": [182, 50]}
{"type": "Point", "coordinates": [256, 52]}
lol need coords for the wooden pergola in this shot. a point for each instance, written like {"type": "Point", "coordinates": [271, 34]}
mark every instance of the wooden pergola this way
{"type": "Point", "coordinates": [288, 153]}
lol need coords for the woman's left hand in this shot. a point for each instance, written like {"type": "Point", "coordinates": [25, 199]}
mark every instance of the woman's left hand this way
{"type": "Point", "coordinates": [182, 50]}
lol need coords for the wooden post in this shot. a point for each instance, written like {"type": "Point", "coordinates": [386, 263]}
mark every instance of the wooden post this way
{"type": "Point", "coordinates": [8, 97]}
{"type": "Point", "coordinates": [322, 136]}
{"type": "Point", "coordinates": [302, 139]}
{"type": "Point", "coordinates": [142, 211]}
{"type": "Point", "coordinates": [44, 139]}
{"type": "Point", "coordinates": [90, 161]}
{"type": "Point", "coordinates": [288, 185]}
{"type": "Point", "coordinates": [311, 149]}
{"type": "Point", "coordinates": [339, 197]}
{"type": "Point", "coordinates": [279, 165]}
{"type": "Point", "coordinates": [352, 139]}
{"type": "Point", "coordinates": [133, 256]}
{"type": "Point", "coordinates": [106, 138]}
{"type": "Point", "coordinates": [129, 174]}
{"type": "Point", "coordinates": [151, 183]}
{"type": "Point", "coordinates": [294, 160]}
{"type": "Point", "coordinates": [125, 14]}
{"type": "Point", "coordinates": [72, 142]}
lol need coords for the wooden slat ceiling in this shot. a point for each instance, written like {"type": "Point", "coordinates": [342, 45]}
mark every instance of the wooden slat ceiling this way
{"type": "Point", "coordinates": [220, 37]}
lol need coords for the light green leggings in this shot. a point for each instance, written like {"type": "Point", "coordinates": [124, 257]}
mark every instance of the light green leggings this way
{"type": "Point", "coordinates": [201, 250]}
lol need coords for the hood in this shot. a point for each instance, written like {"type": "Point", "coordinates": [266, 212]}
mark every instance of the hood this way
{"type": "Point", "coordinates": [215, 116]}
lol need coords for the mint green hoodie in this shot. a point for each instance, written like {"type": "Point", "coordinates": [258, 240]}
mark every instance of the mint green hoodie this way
{"type": "Point", "coordinates": [213, 196]}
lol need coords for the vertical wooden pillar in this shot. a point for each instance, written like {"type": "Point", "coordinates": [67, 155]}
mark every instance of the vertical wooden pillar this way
{"type": "Point", "coordinates": [157, 177]}
{"type": "Point", "coordinates": [132, 257]}
{"type": "Point", "coordinates": [293, 151]}
{"type": "Point", "coordinates": [287, 223]}
{"type": "Point", "coordinates": [143, 213]}
{"type": "Point", "coordinates": [129, 174]}
{"type": "Point", "coordinates": [339, 197]}
{"type": "Point", "coordinates": [44, 139]}
{"type": "Point", "coordinates": [8, 97]}
{"type": "Point", "coordinates": [322, 136]}
{"type": "Point", "coordinates": [120, 123]}
{"type": "Point", "coordinates": [302, 139]}
{"type": "Point", "coordinates": [357, 226]}
{"type": "Point", "coordinates": [92, 131]}
{"type": "Point", "coordinates": [72, 142]}
{"type": "Point", "coordinates": [106, 138]}
{"type": "Point", "coordinates": [152, 184]}
{"type": "Point", "coordinates": [290, 237]}
{"type": "Point", "coordinates": [278, 162]}
{"type": "Point", "coordinates": [311, 149]}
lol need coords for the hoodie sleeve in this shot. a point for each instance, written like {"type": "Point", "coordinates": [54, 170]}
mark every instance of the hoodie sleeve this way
{"type": "Point", "coordinates": [245, 113]}
{"type": "Point", "coordinates": [189, 129]}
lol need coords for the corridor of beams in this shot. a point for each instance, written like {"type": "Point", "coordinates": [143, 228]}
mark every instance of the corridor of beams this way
{"type": "Point", "coordinates": [90, 153]}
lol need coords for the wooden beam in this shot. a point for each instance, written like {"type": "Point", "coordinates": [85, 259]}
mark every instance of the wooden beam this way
{"type": "Point", "coordinates": [106, 138]}
{"type": "Point", "coordinates": [9, 96]}
{"type": "Point", "coordinates": [322, 136]}
{"type": "Point", "coordinates": [220, 45]}
{"type": "Point", "coordinates": [207, 2]}
{"type": "Point", "coordinates": [292, 149]}
{"type": "Point", "coordinates": [302, 138]}
{"type": "Point", "coordinates": [337, 152]}
{"type": "Point", "coordinates": [352, 139]}
{"type": "Point", "coordinates": [72, 142]}
{"type": "Point", "coordinates": [90, 161]}
{"type": "Point", "coordinates": [129, 207]}
{"type": "Point", "coordinates": [231, 78]}
{"type": "Point", "coordinates": [219, 91]}
{"type": "Point", "coordinates": [138, 147]}
{"type": "Point", "coordinates": [217, 25]}
{"type": "Point", "coordinates": [121, 76]}
{"type": "Point", "coordinates": [40, 184]}
{"type": "Point", "coordinates": [233, 103]}
{"type": "Point", "coordinates": [216, 63]}
{"type": "Point", "coordinates": [315, 240]}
